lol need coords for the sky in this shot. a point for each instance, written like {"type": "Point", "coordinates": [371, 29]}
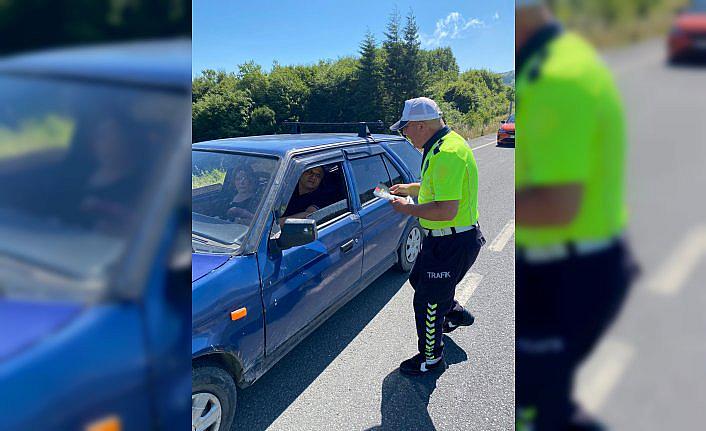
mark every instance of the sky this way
{"type": "Point", "coordinates": [226, 33]}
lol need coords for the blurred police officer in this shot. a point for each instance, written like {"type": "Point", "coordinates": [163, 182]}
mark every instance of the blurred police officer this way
{"type": "Point", "coordinates": [572, 270]}
{"type": "Point", "coordinates": [448, 211]}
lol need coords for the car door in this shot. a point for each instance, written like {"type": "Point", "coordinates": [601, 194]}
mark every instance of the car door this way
{"type": "Point", "coordinates": [382, 226]}
{"type": "Point", "coordinates": [300, 283]}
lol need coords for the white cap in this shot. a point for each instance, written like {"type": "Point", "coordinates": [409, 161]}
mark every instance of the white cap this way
{"type": "Point", "coordinates": [418, 109]}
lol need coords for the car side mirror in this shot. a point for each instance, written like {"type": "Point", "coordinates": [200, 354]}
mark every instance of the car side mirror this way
{"type": "Point", "coordinates": [296, 232]}
{"type": "Point", "coordinates": [503, 122]}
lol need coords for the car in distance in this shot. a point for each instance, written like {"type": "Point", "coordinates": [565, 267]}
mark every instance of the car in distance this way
{"type": "Point", "coordinates": [506, 132]}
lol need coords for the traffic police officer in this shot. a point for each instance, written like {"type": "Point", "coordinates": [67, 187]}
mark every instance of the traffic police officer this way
{"type": "Point", "coordinates": [448, 211]}
{"type": "Point", "coordinates": [572, 267]}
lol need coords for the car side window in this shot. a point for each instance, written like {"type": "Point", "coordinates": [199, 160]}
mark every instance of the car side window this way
{"type": "Point", "coordinates": [393, 171]}
{"type": "Point", "coordinates": [368, 173]}
{"type": "Point", "coordinates": [328, 201]}
{"type": "Point", "coordinates": [410, 155]}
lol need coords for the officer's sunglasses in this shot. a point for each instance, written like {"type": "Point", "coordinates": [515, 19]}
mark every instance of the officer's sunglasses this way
{"type": "Point", "coordinates": [401, 131]}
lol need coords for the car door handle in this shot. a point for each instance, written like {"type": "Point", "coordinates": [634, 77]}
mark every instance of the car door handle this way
{"type": "Point", "coordinates": [345, 248]}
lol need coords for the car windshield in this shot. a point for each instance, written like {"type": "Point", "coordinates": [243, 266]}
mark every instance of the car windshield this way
{"type": "Point", "coordinates": [511, 119]}
{"type": "Point", "coordinates": [77, 161]}
{"type": "Point", "coordinates": [227, 191]}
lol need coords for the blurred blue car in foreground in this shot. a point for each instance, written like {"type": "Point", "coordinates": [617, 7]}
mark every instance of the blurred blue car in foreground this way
{"type": "Point", "coordinates": [260, 283]}
{"type": "Point", "coordinates": [93, 201]}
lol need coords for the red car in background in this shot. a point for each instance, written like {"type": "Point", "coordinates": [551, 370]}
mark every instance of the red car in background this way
{"type": "Point", "coordinates": [687, 40]}
{"type": "Point", "coordinates": [506, 132]}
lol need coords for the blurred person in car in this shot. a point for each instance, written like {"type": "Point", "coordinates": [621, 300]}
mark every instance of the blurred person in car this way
{"type": "Point", "coordinates": [244, 201]}
{"type": "Point", "coordinates": [108, 192]}
{"type": "Point", "coordinates": [572, 265]}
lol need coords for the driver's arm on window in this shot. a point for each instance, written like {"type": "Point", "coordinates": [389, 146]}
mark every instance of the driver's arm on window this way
{"type": "Point", "coordinates": [304, 214]}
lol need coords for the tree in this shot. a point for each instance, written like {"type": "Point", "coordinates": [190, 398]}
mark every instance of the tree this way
{"type": "Point", "coordinates": [254, 82]}
{"type": "Point", "coordinates": [393, 70]}
{"type": "Point", "coordinates": [440, 64]}
{"type": "Point", "coordinates": [369, 90]}
{"type": "Point", "coordinates": [287, 93]}
{"type": "Point", "coordinates": [413, 74]}
{"type": "Point", "coordinates": [262, 121]}
{"type": "Point", "coordinates": [41, 24]}
{"type": "Point", "coordinates": [220, 115]}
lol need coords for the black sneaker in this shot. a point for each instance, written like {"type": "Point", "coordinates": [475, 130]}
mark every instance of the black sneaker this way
{"type": "Point", "coordinates": [467, 320]}
{"type": "Point", "coordinates": [417, 365]}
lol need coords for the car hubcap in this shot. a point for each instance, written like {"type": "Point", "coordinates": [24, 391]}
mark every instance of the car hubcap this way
{"type": "Point", "coordinates": [412, 245]}
{"type": "Point", "coordinates": [205, 412]}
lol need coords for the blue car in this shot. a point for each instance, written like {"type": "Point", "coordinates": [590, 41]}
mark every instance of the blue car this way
{"type": "Point", "coordinates": [94, 152]}
{"type": "Point", "coordinates": [265, 273]}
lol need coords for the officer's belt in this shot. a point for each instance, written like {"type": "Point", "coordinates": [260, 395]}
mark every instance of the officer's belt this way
{"type": "Point", "coordinates": [557, 252]}
{"type": "Point", "coordinates": [449, 230]}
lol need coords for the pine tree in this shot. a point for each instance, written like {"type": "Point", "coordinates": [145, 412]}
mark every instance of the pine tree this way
{"type": "Point", "coordinates": [394, 74]}
{"type": "Point", "coordinates": [414, 84]}
{"type": "Point", "coordinates": [368, 86]}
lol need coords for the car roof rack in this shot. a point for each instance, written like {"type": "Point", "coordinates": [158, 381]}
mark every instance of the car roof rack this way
{"type": "Point", "coordinates": [362, 126]}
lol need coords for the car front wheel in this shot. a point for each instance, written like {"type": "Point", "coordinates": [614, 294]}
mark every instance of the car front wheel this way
{"type": "Point", "coordinates": [213, 399]}
{"type": "Point", "coordinates": [410, 247]}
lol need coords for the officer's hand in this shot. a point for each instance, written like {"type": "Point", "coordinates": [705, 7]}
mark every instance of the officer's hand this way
{"type": "Point", "coordinates": [400, 189]}
{"type": "Point", "coordinates": [401, 206]}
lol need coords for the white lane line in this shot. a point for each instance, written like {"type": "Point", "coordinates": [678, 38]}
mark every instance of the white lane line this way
{"type": "Point", "coordinates": [466, 287]}
{"type": "Point", "coordinates": [597, 379]}
{"type": "Point", "coordinates": [681, 263]}
{"type": "Point", "coordinates": [505, 234]}
{"type": "Point", "coordinates": [481, 146]}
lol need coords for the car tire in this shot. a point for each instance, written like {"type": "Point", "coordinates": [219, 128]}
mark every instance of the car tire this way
{"type": "Point", "coordinates": [215, 392]}
{"type": "Point", "coordinates": [409, 249]}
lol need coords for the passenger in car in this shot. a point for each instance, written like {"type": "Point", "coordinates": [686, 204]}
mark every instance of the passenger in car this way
{"type": "Point", "coordinates": [242, 205]}
{"type": "Point", "coordinates": [306, 198]}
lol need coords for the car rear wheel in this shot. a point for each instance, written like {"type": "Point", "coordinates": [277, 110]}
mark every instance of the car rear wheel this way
{"type": "Point", "coordinates": [410, 247]}
{"type": "Point", "coordinates": [213, 399]}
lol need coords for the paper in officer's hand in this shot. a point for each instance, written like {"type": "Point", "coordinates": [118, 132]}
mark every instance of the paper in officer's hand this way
{"type": "Point", "coordinates": [383, 192]}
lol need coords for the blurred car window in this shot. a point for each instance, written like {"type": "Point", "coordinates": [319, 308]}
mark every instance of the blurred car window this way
{"type": "Point", "coordinates": [74, 161]}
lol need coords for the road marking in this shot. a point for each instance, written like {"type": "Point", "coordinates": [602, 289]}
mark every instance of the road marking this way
{"type": "Point", "coordinates": [481, 146]}
{"type": "Point", "coordinates": [501, 240]}
{"type": "Point", "coordinates": [466, 287]}
{"type": "Point", "coordinates": [597, 379]}
{"type": "Point", "coordinates": [682, 262]}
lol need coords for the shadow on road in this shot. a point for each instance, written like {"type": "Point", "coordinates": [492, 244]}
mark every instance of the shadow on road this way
{"type": "Point", "coordinates": [497, 145]}
{"type": "Point", "coordinates": [261, 404]}
{"type": "Point", "coordinates": [405, 400]}
{"type": "Point", "coordinates": [694, 63]}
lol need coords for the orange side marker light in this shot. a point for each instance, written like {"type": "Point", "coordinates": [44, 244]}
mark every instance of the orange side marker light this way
{"type": "Point", "coordinates": [239, 313]}
{"type": "Point", "coordinates": [111, 423]}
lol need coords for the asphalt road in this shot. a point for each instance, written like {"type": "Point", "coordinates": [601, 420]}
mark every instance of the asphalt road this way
{"type": "Point", "coordinates": [345, 375]}
{"type": "Point", "coordinates": [648, 373]}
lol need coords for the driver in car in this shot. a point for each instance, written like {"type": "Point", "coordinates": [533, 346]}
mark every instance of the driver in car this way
{"type": "Point", "coordinates": [306, 199]}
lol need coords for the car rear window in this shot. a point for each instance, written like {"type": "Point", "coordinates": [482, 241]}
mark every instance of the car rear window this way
{"type": "Point", "coordinates": [409, 155]}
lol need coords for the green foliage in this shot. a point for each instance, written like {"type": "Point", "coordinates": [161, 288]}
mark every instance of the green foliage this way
{"type": "Point", "coordinates": [262, 121]}
{"type": "Point", "coordinates": [221, 114]}
{"type": "Point", "coordinates": [612, 22]}
{"type": "Point", "coordinates": [370, 87]}
{"type": "Point", "coordinates": [40, 24]}
{"type": "Point", "coordinates": [207, 178]}
{"type": "Point", "coordinates": [33, 135]}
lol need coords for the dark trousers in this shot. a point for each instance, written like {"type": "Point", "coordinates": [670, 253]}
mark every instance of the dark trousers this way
{"type": "Point", "coordinates": [440, 266]}
{"type": "Point", "coordinates": [562, 308]}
